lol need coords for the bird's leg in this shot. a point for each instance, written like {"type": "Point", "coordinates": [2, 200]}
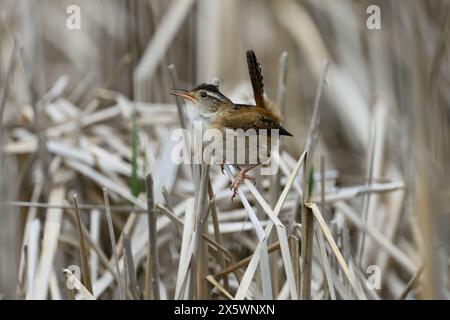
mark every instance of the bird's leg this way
{"type": "Point", "coordinates": [242, 174]}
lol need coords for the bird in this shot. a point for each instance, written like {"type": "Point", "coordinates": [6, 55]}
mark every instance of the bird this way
{"type": "Point", "coordinates": [207, 104]}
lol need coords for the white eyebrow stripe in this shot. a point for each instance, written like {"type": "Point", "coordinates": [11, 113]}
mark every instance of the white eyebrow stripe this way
{"type": "Point", "coordinates": [215, 95]}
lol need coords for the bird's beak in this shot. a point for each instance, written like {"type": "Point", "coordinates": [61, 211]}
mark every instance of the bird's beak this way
{"type": "Point", "coordinates": [183, 93]}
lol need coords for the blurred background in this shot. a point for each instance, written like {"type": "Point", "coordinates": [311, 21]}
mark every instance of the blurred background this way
{"type": "Point", "coordinates": [66, 112]}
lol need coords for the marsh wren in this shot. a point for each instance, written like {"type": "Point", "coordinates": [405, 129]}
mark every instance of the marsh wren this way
{"type": "Point", "coordinates": [207, 104]}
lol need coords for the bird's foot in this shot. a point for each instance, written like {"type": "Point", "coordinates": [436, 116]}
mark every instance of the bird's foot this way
{"type": "Point", "coordinates": [240, 177]}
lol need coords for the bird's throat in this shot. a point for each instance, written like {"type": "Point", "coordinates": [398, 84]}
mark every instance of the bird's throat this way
{"type": "Point", "coordinates": [195, 114]}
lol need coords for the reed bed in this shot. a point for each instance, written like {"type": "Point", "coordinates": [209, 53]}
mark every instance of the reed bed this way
{"type": "Point", "coordinates": [93, 207]}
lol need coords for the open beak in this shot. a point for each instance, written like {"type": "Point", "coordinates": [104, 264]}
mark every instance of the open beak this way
{"type": "Point", "coordinates": [182, 93]}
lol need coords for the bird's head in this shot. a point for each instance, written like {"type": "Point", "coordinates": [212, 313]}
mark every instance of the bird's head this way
{"type": "Point", "coordinates": [206, 99]}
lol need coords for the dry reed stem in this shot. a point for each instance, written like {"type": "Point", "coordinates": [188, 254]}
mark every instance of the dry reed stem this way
{"type": "Point", "coordinates": [31, 214]}
{"type": "Point", "coordinates": [294, 247]}
{"type": "Point", "coordinates": [24, 287]}
{"type": "Point", "coordinates": [153, 256]}
{"type": "Point", "coordinates": [87, 282]}
{"type": "Point", "coordinates": [159, 43]}
{"type": "Point", "coordinates": [135, 290]}
{"type": "Point", "coordinates": [307, 232]}
{"type": "Point", "coordinates": [113, 243]}
{"type": "Point", "coordinates": [185, 252]}
{"type": "Point", "coordinates": [365, 213]}
{"type": "Point", "coordinates": [94, 232]}
{"type": "Point", "coordinates": [49, 245]}
{"type": "Point", "coordinates": [218, 236]}
{"type": "Point", "coordinates": [282, 236]}
{"type": "Point", "coordinates": [275, 178]}
{"type": "Point", "coordinates": [199, 266]}
{"type": "Point", "coordinates": [4, 93]}
{"type": "Point", "coordinates": [325, 264]}
{"type": "Point", "coordinates": [410, 284]}
{"type": "Point", "coordinates": [250, 271]}
{"type": "Point", "coordinates": [334, 247]}
{"type": "Point", "coordinates": [31, 255]}
{"type": "Point", "coordinates": [262, 245]}
{"type": "Point", "coordinates": [221, 289]}
{"type": "Point", "coordinates": [94, 246]}
{"type": "Point", "coordinates": [306, 214]}
{"type": "Point", "coordinates": [323, 253]}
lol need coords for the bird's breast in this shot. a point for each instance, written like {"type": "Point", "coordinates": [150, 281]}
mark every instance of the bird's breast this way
{"type": "Point", "coordinates": [236, 148]}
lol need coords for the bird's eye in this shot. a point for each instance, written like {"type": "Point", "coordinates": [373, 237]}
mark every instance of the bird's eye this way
{"type": "Point", "coordinates": [203, 94]}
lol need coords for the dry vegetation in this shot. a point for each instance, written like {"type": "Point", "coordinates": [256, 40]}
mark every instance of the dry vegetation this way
{"type": "Point", "coordinates": [87, 177]}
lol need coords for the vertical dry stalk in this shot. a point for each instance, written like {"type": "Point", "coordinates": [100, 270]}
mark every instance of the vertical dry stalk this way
{"type": "Point", "coordinates": [83, 252]}
{"type": "Point", "coordinates": [326, 264]}
{"type": "Point", "coordinates": [49, 244]}
{"type": "Point", "coordinates": [218, 236]}
{"type": "Point", "coordinates": [125, 272]}
{"type": "Point", "coordinates": [9, 73]}
{"type": "Point", "coordinates": [293, 244]}
{"type": "Point", "coordinates": [275, 179]}
{"type": "Point", "coordinates": [258, 255]}
{"type": "Point", "coordinates": [307, 215]}
{"type": "Point", "coordinates": [425, 209]}
{"type": "Point", "coordinates": [135, 291]}
{"type": "Point", "coordinates": [334, 248]}
{"type": "Point", "coordinates": [322, 184]}
{"type": "Point", "coordinates": [92, 244]}
{"type": "Point", "coordinates": [22, 286]}
{"type": "Point", "coordinates": [31, 214]}
{"type": "Point", "coordinates": [261, 249]}
{"type": "Point", "coordinates": [202, 272]}
{"type": "Point", "coordinates": [199, 258]}
{"type": "Point", "coordinates": [113, 242]}
{"type": "Point", "coordinates": [94, 233]}
{"type": "Point", "coordinates": [167, 198]}
{"type": "Point", "coordinates": [152, 257]}
{"type": "Point", "coordinates": [365, 215]}
{"type": "Point", "coordinates": [307, 239]}
{"type": "Point", "coordinates": [325, 261]}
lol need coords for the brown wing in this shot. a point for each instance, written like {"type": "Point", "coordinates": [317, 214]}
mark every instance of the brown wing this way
{"type": "Point", "coordinates": [251, 118]}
